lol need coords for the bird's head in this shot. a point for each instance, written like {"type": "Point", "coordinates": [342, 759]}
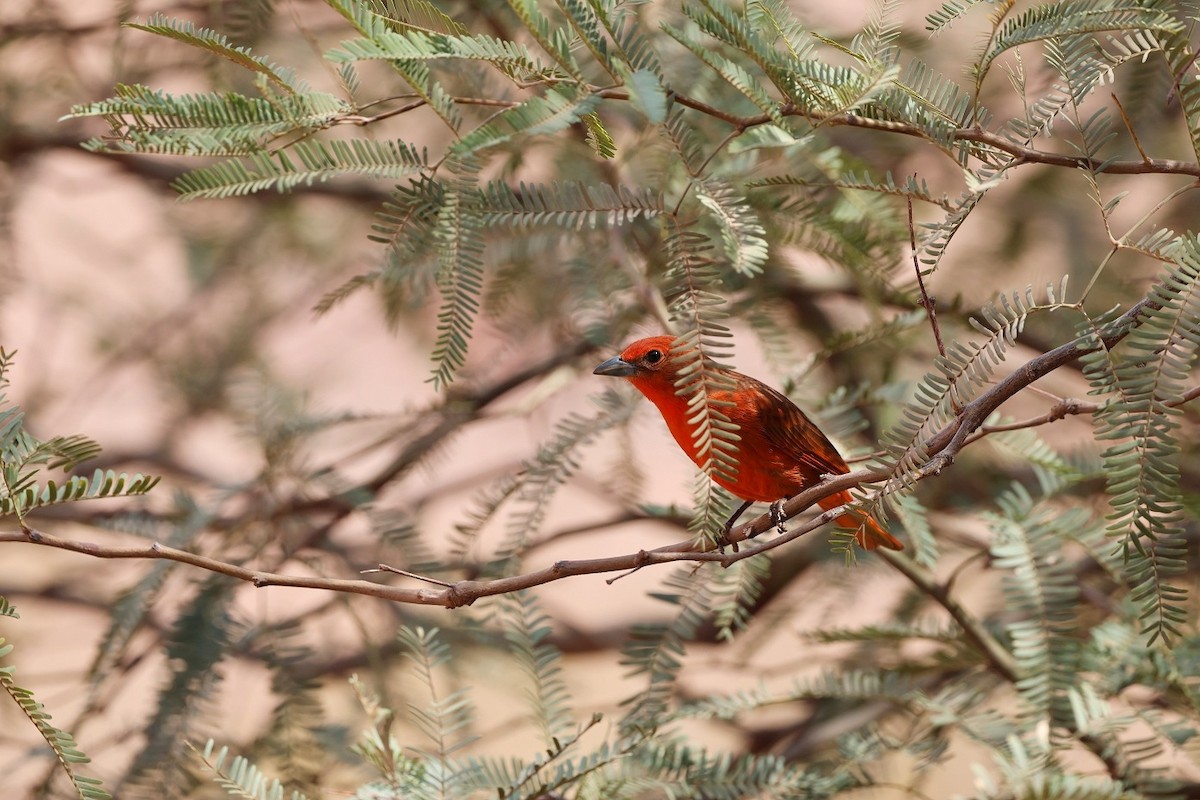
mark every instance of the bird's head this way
{"type": "Point", "coordinates": [652, 365]}
{"type": "Point", "coordinates": [645, 359]}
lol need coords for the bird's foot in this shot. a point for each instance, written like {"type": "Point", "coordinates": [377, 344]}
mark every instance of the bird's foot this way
{"type": "Point", "coordinates": [724, 542]}
{"type": "Point", "coordinates": [777, 516]}
{"type": "Point", "coordinates": [729, 527]}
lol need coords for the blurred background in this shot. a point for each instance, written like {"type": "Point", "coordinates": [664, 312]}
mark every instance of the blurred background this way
{"type": "Point", "coordinates": [185, 338]}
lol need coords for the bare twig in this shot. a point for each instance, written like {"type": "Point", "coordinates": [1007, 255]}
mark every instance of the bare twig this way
{"type": "Point", "coordinates": [407, 574]}
{"type": "Point", "coordinates": [1000, 659]}
{"type": "Point", "coordinates": [1129, 127]}
{"type": "Point", "coordinates": [927, 302]}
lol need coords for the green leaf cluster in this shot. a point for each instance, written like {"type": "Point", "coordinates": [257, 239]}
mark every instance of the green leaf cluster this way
{"type": "Point", "coordinates": [23, 458]}
{"type": "Point", "coordinates": [61, 743]}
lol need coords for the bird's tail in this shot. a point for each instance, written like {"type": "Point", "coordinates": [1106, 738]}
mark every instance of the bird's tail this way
{"type": "Point", "coordinates": [870, 534]}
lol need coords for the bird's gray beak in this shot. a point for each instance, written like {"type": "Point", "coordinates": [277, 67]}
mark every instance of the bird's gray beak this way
{"type": "Point", "coordinates": [615, 367]}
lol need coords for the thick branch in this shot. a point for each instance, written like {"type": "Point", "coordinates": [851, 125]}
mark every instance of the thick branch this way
{"type": "Point", "coordinates": [944, 445]}
{"type": "Point", "coordinates": [950, 439]}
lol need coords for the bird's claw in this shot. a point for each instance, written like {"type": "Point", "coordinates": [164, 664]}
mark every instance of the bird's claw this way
{"type": "Point", "coordinates": [729, 528]}
{"type": "Point", "coordinates": [724, 542]}
{"type": "Point", "coordinates": [777, 516]}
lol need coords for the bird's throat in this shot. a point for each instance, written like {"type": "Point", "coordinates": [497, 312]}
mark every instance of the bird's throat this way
{"type": "Point", "coordinates": [674, 410]}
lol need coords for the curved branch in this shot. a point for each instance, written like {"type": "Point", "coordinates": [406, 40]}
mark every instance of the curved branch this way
{"type": "Point", "coordinates": [942, 448]}
{"type": "Point", "coordinates": [996, 141]}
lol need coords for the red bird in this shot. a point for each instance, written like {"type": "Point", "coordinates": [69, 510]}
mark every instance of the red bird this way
{"type": "Point", "coordinates": [780, 453]}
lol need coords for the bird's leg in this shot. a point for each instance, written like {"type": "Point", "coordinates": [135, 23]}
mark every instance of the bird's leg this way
{"type": "Point", "coordinates": [777, 515]}
{"type": "Point", "coordinates": [732, 519]}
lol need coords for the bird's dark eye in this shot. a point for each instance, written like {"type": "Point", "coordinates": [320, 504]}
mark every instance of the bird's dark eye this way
{"type": "Point", "coordinates": [654, 356]}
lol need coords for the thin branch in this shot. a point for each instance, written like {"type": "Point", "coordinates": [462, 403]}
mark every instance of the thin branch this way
{"type": "Point", "coordinates": [927, 302]}
{"type": "Point", "coordinates": [407, 574]}
{"type": "Point", "coordinates": [360, 120]}
{"type": "Point", "coordinates": [947, 442]}
{"type": "Point", "coordinates": [695, 174]}
{"type": "Point", "coordinates": [256, 577]}
{"type": "Point", "coordinates": [1129, 127]}
{"type": "Point", "coordinates": [1068, 407]}
{"type": "Point", "coordinates": [995, 141]}
{"type": "Point", "coordinates": [1020, 152]}
{"type": "Point", "coordinates": [943, 447]}
{"type": "Point", "coordinates": [997, 656]}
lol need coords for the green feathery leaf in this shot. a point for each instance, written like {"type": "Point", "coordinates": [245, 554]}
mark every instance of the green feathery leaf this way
{"type": "Point", "coordinates": [218, 44]}
{"type": "Point", "coordinates": [459, 240]}
{"type": "Point", "coordinates": [573, 205]}
{"type": "Point", "coordinates": [1139, 383]}
{"type": "Point", "coordinates": [318, 162]}
{"type": "Point", "coordinates": [61, 743]}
